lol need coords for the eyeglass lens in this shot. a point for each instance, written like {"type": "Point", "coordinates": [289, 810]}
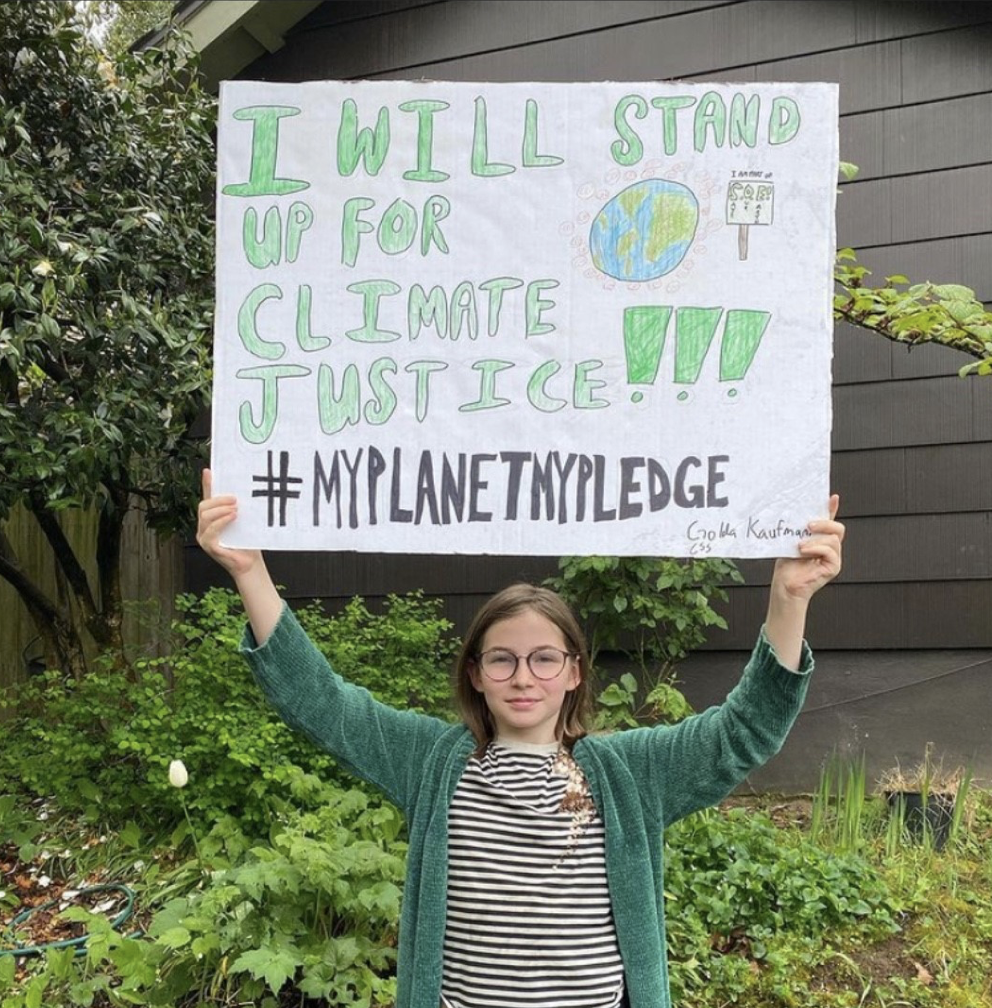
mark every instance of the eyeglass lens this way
{"type": "Point", "coordinates": [545, 663]}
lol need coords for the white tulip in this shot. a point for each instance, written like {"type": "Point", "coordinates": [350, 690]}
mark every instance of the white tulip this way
{"type": "Point", "coordinates": [177, 773]}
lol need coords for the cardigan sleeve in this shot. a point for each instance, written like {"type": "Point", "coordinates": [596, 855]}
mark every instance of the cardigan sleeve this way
{"type": "Point", "coordinates": [380, 744]}
{"type": "Point", "coordinates": [696, 763]}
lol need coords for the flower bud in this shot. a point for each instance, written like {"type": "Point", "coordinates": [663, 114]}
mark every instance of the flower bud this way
{"type": "Point", "coordinates": [177, 773]}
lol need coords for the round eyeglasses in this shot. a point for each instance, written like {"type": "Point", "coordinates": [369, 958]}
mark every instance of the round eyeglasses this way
{"type": "Point", "coordinates": [500, 664]}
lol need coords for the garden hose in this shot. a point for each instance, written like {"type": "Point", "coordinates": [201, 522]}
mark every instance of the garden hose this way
{"type": "Point", "coordinates": [79, 944]}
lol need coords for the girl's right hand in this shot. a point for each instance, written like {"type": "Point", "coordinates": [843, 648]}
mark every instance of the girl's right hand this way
{"type": "Point", "coordinates": [215, 514]}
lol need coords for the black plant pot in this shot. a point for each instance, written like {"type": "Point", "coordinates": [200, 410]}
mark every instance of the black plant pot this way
{"type": "Point", "coordinates": [934, 818]}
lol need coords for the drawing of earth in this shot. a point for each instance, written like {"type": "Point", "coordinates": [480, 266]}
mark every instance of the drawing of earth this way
{"type": "Point", "coordinates": [645, 231]}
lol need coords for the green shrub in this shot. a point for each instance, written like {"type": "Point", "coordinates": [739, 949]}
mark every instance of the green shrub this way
{"type": "Point", "coordinates": [403, 656]}
{"type": "Point", "coordinates": [740, 891]}
{"type": "Point", "coordinates": [103, 744]}
{"type": "Point", "coordinates": [655, 610]}
{"type": "Point", "coordinates": [312, 913]}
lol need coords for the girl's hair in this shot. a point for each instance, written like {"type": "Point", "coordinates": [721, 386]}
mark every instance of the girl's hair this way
{"type": "Point", "coordinates": [573, 720]}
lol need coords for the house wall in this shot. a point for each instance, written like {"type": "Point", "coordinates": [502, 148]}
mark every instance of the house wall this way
{"type": "Point", "coordinates": [911, 440]}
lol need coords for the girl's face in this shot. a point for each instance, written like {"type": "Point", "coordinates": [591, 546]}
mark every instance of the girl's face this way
{"type": "Point", "coordinates": [524, 707]}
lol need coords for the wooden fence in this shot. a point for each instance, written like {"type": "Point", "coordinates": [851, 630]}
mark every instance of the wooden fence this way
{"type": "Point", "coordinates": [151, 576]}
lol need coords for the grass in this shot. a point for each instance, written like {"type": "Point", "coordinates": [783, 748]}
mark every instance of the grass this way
{"type": "Point", "coordinates": [942, 955]}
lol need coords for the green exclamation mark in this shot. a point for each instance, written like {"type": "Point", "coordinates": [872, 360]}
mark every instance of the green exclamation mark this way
{"type": "Point", "coordinates": [741, 336]}
{"type": "Point", "coordinates": [694, 331]}
{"type": "Point", "coordinates": [644, 328]}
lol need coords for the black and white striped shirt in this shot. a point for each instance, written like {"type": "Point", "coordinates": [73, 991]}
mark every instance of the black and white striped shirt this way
{"type": "Point", "coordinates": [529, 923]}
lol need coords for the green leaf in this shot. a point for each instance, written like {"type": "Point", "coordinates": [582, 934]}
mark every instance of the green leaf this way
{"type": "Point", "coordinates": [174, 937]}
{"type": "Point", "coordinates": [273, 965]}
{"type": "Point", "coordinates": [954, 292]}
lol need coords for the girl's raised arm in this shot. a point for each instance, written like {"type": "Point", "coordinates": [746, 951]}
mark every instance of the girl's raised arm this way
{"type": "Point", "coordinates": [262, 602]}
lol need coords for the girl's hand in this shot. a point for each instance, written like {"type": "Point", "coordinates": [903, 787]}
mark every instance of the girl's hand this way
{"type": "Point", "coordinates": [819, 561]}
{"type": "Point", "coordinates": [215, 514]}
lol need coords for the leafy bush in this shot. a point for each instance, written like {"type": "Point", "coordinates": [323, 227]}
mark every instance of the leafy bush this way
{"type": "Point", "coordinates": [653, 609]}
{"type": "Point", "coordinates": [740, 889]}
{"type": "Point", "coordinates": [312, 913]}
{"type": "Point", "coordinates": [403, 656]}
{"type": "Point", "coordinates": [104, 743]}
{"type": "Point", "coordinates": [316, 910]}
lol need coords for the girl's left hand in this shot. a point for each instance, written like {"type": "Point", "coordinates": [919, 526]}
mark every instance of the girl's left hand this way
{"type": "Point", "coordinates": [819, 560]}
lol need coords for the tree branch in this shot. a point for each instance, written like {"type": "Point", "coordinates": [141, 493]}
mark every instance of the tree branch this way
{"type": "Point", "coordinates": [65, 557]}
{"type": "Point", "coordinates": [36, 601]}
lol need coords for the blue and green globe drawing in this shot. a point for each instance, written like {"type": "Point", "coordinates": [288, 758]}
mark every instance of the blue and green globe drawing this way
{"type": "Point", "coordinates": [645, 231]}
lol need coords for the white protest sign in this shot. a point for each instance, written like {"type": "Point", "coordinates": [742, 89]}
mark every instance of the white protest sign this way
{"type": "Point", "coordinates": [522, 318]}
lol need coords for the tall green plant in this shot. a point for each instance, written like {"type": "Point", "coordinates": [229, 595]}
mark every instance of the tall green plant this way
{"type": "Point", "coordinates": [655, 610]}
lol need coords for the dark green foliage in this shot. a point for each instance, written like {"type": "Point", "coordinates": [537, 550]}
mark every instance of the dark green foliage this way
{"type": "Point", "coordinates": [106, 300]}
{"type": "Point", "coordinates": [653, 609]}
{"type": "Point", "coordinates": [404, 656]}
{"type": "Point", "coordinates": [103, 743]}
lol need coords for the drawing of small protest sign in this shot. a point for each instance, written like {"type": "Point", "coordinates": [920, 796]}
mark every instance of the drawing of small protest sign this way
{"type": "Point", "coordinates": [749, 203]}
{"type": "Point", "coordinates": [460, 317]}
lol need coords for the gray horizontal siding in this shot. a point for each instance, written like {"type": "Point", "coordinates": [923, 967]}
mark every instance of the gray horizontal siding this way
{"type": "Point", "coordinates": [919, 138]}
{"type": "Point", "coordinates": [632, 40]}
{"type": "Point", "coordinates": [881, 19]}
{"type": "Point", "coordinates": [903, 548]}
{"type": "Point", "coordinates": [926, 411]}
{"type": "Point", "coordinates": [915, 208]}
{"type": "Point", "coordinates": [883, 706]}
{"type": "Point", "coordinates": [861, 356]}
{"type": "Point", "coordinates": [419, 39]}
{"type": "Point", "coordinates": [926, 480]}
{"type": "Point", "coordinates": [875, 616]}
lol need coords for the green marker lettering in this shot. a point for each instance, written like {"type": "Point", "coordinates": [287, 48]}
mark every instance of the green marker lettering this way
{"type": "Point", "coordinates": [306, 341]}
{"type": "Point", "coordinates": [535, 306]}
{"type": "Point", "coordinates": [269, 375]}
{"type": "Point", "coordinates": [335, 412]}
{"type": "Point", "coordinates": [397, 228]}
{"type": "Point", "coordinates": [495, 288]}
{"type": "Point", "coordinates": [262, 180]}
{"type": "Point", "coordinates": [536, 395]}
{"type": "Point", "coordinates": [488, 399]}
{"type": "Point", "coordinates": [585, 386]}
{"type": "Point", "coordinates": [744, 120]}
{"type": "Point", "coordinates": [423, 369]}
{"type": "Point", "coordinates": [356, 144]}
{"type": "Point", "coordinates": [784, 122]}
{"type": "Point", "coordinates": [629, 149]}
{"type": "Point", "coordinates": [382, 407]}
{"type": "Point", "coordinates": [669, 125]}
{"type": "Point", "coordinates": [530, 157]}
{"type": "Point", "coordinates": [435, 209]}
{"type": "Point", "coordinates": [464, 314]}
{"type": "Point", "coordinates": [425, 110]}
{"type": "Point", "coordinates": [247, 328]}
{"type": "Point", "coordinates": [371, 291]}
{"type": "Point", "coordinates": [480, 146]}
{"type": "Point", "coordinates": [267, 250]}
{"type": "Point", "coordinates": [426, 309]}
{"type": "Point", "coordinates": [352, 226]}
{"type": "Point", "coordinates": [710, 114]}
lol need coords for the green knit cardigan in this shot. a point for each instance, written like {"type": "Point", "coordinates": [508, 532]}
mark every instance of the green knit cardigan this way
{"type": "Point", "coordinates": [641, 779]}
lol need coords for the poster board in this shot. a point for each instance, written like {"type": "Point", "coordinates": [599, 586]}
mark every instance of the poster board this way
{"type": "Point", "coordinates": [527, 318]}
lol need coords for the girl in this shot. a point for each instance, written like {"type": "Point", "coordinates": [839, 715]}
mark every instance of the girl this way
{"type": "Point", "coordinates": [534, 876]}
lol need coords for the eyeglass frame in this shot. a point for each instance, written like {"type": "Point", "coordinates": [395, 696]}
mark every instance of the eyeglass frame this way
{"type": "Point", "coordinates": [565, 655]}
